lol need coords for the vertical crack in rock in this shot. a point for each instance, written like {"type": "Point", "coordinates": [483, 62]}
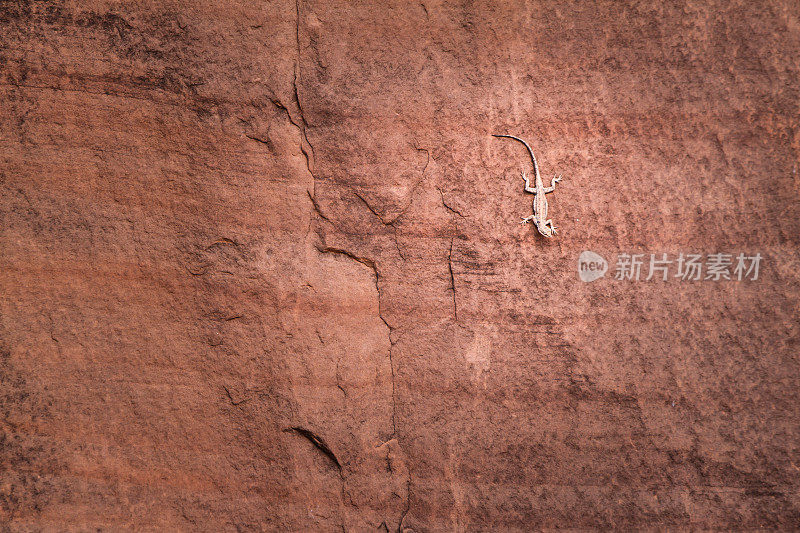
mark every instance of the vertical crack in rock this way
{"type": "Point", "coordinates": [296, 94]}
{"type": "Point", "coordinates": [391, 364]}
{"type": "Point", "coordinates": [378, 289]}
{"type": "Point", "coordinates": [302, 125]}
{"type": "Point", "coordinates": [297, 27]}
{"type": "Point", "coordinates": [454, 212]}
{"type": "Point", "coordinates": [452, 277]}
{"type": "Point", "coordinates": [309, 154]}
{"type": "Point", "coordinates": [408, 504]}
{"type": "Point", "coordinates": [371, 264]}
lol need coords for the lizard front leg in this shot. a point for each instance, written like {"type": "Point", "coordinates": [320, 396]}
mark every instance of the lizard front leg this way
{"type": "Point", "coordinates": [528, 187]}
{"type": "Point", "coordinates": [527, 219]}
{"type": "Point", "coordinates": [549, 223]}
{"type": "Point", "coordinates": [552, 186]}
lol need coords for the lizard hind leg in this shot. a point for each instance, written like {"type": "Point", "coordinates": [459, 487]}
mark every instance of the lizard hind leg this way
{"type": "Point", "coordinates": [527, 219]}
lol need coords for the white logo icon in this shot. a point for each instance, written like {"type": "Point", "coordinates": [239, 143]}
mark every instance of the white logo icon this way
{"type": "Point", "coordinates": [591, 266]}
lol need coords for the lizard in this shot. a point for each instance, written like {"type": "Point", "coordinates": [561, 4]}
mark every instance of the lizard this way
{"type": "Point", "coordinates": [539, 216]}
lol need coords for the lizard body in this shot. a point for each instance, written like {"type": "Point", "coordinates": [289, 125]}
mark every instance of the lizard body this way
{"type": "Point", "coordinates": [539, 216]}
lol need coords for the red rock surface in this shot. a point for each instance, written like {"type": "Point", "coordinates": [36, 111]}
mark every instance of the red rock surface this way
{"type": "Point", "coordinates": [261, 266]}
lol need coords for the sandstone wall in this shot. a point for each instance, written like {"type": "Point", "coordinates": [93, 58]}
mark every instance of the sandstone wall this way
{"type": "Point", "coordinates": [261, 265]}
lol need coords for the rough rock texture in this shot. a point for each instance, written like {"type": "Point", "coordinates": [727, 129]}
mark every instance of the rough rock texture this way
{"type": "Point", "coordinates": [261, 266]}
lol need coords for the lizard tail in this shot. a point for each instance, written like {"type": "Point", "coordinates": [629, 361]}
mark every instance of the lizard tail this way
{"type": "Point", "coordinates": [533, 157]}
